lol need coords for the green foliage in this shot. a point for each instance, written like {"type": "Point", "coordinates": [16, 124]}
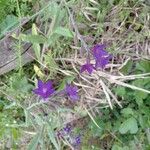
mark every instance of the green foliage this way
{"type": "Point", "coordinates": [117, 147]}
{"type": "Point", "coordinates": [143, 66]}
{"type": "Point", "coordinates": [19, 84]}
{"type": "Point", "coordinates": [51, 134]}
{"type": "Point", "coordinates": [131, 122]}
{"type": "Point", "coordinates": [58, 18]}
{"type": "Point", "coordinates": [9, 13]}
{"type": "Point", "coordinates": [128, 67]}
{"type": "Point", "coordinates": [10, 22]}
{"type": "Point", "coordinates": [95, 131]}
{"type": "Point", "coordinates": [10, 7]}
{"type": "Point", "coordinates": [11, 116]}
{"type": "Point", "coordinates": [67, 79]}
{"type": "Point", "coordinates": [129, 125]}
{"type": "Point", "coordinates": [34, 142]}
{"type": "Point", "coordinates": [120, 129]}
{"type": "Point", "coordinates": [36, 46]}
{"type": "Point", "coordinates": [5, 8]}
{"type": "Point", "coordinates": [64, 32]}
{"type": "Point", "coordinates": [35, 39]}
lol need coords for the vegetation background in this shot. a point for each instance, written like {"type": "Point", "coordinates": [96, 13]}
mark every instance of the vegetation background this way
{"type": "Point", "coordinates": [113, 112]}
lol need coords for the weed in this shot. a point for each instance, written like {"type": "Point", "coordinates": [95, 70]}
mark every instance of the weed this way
{"type": "Point", "coordinates": [107, 107]}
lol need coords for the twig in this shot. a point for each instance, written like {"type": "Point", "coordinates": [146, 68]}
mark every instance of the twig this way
{"type": "Point", "coordinates": [106, 93]}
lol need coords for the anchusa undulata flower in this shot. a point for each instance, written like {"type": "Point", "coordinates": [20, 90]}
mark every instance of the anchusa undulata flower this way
{"type": "Point", "coordinates": [45, 89]}
{"type": "Point", "coordinates": [68, 133]}
{"type": "Point", "coordinates": [65, 131]}
{"type": "Point", "coordinates": [101, 57]}
{"type": "Point", "coordinates": [77, 140]}
{"type": "Point", "coordinates": [72, 92]}
{"type": "Point", "coordinates": [87, 67]}
{"type": "Point", "coordinates": [67, 128]}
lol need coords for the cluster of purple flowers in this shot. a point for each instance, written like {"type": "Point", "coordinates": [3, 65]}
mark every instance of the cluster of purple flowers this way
{"type": "Point", "coordinates": [67, 132]}
{"type": "Point", "coordinates": [101, 57]}
{"type": "Point", "coordinates": [46, 90]}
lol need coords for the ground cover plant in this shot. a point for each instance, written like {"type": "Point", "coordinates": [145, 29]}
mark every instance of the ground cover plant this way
{"type": "Point", "coordinates": [88, 85]}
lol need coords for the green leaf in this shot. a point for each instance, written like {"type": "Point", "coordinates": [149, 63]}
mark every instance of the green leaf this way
{"type": "Point", "coordinates": [127, 68]}
{"type": "Point", "coordinates": [34, 142]}
{"type": "Point", "coordinates": [62, 85]}
{"type": "Point", "coordinates": [52, 136]}
{"type": "Point", "coordinates": [56, 13]}
{"type": "Point", "coordinates": [129, 125]}
{"type": "Point", "coordinates": [143, 121]}
{"type": "Point", "coordinates": [10, 22]}
{"type": "Point", "coordinates": [50, 62]}
{"type": "Point", "coordinates": [94, 129]}
{"type": "Point", "coordinates": [67, 79]}
{"type": "Point", "coordinates": [33, 38]}
{"type": "Point", "coordinates": [20, 84]}
{"type": "Point", "coordinates": [148, 135]}
{"type": "Point", "coordinates": [64, 32]}
{"type": "Point", "coordinates": [139, 95]}
{"type": "Point", "coordinates": [117, 147]}
{"type": "Point", "coordinates": [15, 133]}
{"type": "Point", "coordinates": [144, 66]}
{"type": "Point", "coordinates": [127, 111]}
{"type": "Point", "coordinates": [35, 46]}
{"type": "Point", "coordinates": [120, 91]}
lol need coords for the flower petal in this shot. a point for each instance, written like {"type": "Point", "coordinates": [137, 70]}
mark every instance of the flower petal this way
{"type": "Point", "coordinates": [46, 86]}
{"type": "Point", "coordinates": [40, 84]}
{"type": "Point", "coordinates": [49, 84]}
{"type": "Point", "coordinates": [99, 50]}
{"type": "Point", "coordinates": [50, 92]}
{"type": "Point", "coordinates": [39, 92]}
{"type": "Point", "coordinates": [72, 92]}
{"type": "Point", "coordinates": [44, 89]}
{"type": "Point", "coordinates": [74, 97]}
{"type": "Point", "coordinates": [77, 140]}
{"type": "Point", "coordinates": [87, 67]}
{"type": "Point", "coordinates": [83, 68]}
{"type": "Point", "coordinates": [90, 68]}
{"type": "Point", "coordinates": [102, 62]}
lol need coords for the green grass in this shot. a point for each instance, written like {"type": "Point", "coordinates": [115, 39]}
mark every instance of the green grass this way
{"type": "Point", "coordinates": [28, 123]}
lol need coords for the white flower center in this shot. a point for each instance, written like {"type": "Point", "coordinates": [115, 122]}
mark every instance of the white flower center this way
{"type": "Point", "coordinates": [44, 90]}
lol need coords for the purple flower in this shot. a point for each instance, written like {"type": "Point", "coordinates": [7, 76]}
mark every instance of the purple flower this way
{"type": "Point", "coordinates": [101, 56]}
{"type": "Point", "coordinates": [67, 129]}
{"type": "Point", "coordinates": [99, 50]}
{"type": "Point", "coordinates": [77, 140]}
{"type": "Point", "coordinates": [87, 67]}
{"type": "Point", "coordinates": [72, 91]}
{"type": "Point", "coordinates": [102, 62]}
{"type": "Point", "coordinates": [44, 89]}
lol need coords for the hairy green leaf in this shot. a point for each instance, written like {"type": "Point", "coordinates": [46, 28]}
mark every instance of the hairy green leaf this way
{"type": "Point", "coordinates": [33, 38]}
{"type": "Point", "coordinates": [64, 32]}
{"type": "Point", "coordinates": [129, 125]}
